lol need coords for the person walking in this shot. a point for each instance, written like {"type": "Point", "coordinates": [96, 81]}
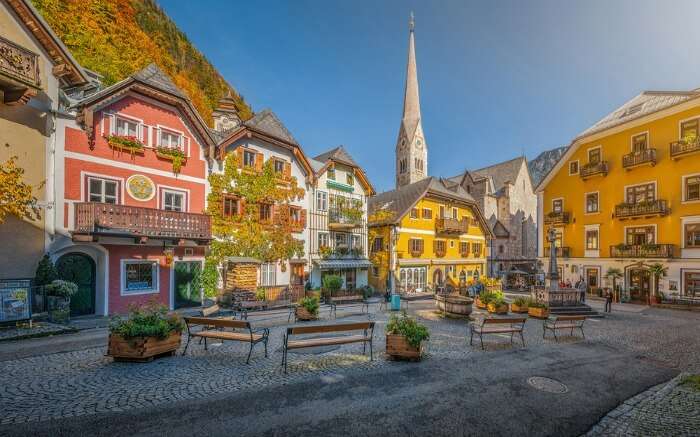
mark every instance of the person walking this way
{"type": "Point", "coordinates": [608, 300]}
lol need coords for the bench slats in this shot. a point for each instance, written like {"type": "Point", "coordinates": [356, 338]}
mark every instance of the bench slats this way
{"type": "Point", "coordinates": [311, 342]}
{"type": "Point", "coordinates": [226, 335]}
{"type": "Point", "coordinates": [220, 323]}
{"type": "Point", "coordinates": [499, 330]}
{"type": "Point", "coordinates": [509, 320]}
{"type": "Point", "coordinates": [315, 329]}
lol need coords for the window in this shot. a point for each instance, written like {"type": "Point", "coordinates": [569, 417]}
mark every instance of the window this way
{"type": "Point", "coordinates": [440, 246]}
{"type": "Point", "coordinates": [476, 249]}
{"type": "Point", "coordinates": [595, 156]}
{"type": "Point", "coordinates": [412, 278]}
{"type": "Point", "coordinates": [350, 179]}
{"type": "Point", "coordinates": [414, 213]}
{"type": "Point", "coordinates": [415, 245]}
{"type": "Point", "coordinates": [126, 127]}
{"type": "Point", "coordinates": [323, 240]}
{"type": "Point", "coordinates": [427, 213]}
{"type": "Point", "coordinates": [402, 166]}
{"type": "Point", "coordinates": [501, 248]}
{"type": "Point", "coordinates": [249, 158]}
{"type": "Point", "coordinates": [592, 202]}
{"type": "Point", "coordinates": [692, 235]}
{"type": "Point", "coordinates": [573, 167]}
{"type": "Point", "coordinates": [692, 188]}
{"type": "Point", "coordinates": [640, 235]}
{"type": "Point", "coordinates": [378, 244]}
{"type": "Point", "coordinates": [640, 142]}
{"type": "Point", "coordinates": [232, 205]}
{"type": "Point", "coordinates": [418, 164]}
{"type": "Point", "coordinates": [139, 277]}
{"type": "Point", "coordinates": [442, 212]}
{"type": "Point", "coordinates": [267, 274]}
{"type": "Point", "coordinates": [265, 212]}
{"type": "Point", "coordinates": [641, 193]}
{"type": "Point", "coordinates": [592, 239]}
{"type": "Point", "coordinates": [689, 130]}
{"type": "Point", "coordinates": [356, 241]}
{"type": "Point", "coordinates": [279, 166]}
{"type": "Point", "coordinates": [341, 239]}
{"type": "Point", "coordinates": [294, 214]}
{"type": "Point", "coordinates": [463, 247]}
{"type": "Point", "coordinates": [558, 205]}
{"type": "Point", "coordinates": [375, 271]}
{"type": "Point", "coordinates": [691, 281]}
{"type": "Point", "coordinates": [331, 173]}
{"type": "Point", "coordinates": [170, 139]}
{"type": "Point", "coordinates": [321, 200]}
{"type": "Point", "coordinates": [102, 190]}
{"type": "Point", "coordinates": [452, 243]}
{"type": "Point", "coordinates": [173, 201]}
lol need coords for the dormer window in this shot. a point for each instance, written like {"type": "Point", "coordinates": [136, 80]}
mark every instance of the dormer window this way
{"type": "Point", "coordinates": [350, 179]}
{"type": "Point", "coordinates": [126, 127]}
{"type": "Point", "coordinates": [331, 173]}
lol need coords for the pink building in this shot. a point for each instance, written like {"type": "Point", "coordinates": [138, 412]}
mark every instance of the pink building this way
{"type": "Point", "coordinates": [131, 168]}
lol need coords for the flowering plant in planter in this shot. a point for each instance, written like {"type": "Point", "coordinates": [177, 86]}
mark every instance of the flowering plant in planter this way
{"type": "Point", "coordinates": [404, 337]}
{"type": "Point", "coordinates": [174, 154]}
{"type": "Point", "coordinates": [125, 142]}
{"type": "Point", "coordinates": [308, 308]}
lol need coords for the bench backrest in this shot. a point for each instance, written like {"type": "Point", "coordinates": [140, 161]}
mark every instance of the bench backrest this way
{"type": "Point", "coordinates": [208, 311]}
{"type": "Point", "coordinates": [337, 327]}
{"type": "Point", "coordinates": [509, 320]}
{"type": "Point", "coordinates": [569, 318]}
{"type": "Point", "coordinates": [219, 323]}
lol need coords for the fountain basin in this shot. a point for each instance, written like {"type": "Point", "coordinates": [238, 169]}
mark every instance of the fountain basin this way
{"type": "Point", "coordinates": [454, 304]}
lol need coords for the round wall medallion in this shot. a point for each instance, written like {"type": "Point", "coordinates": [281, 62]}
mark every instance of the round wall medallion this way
{"type": "Point", "coordinates": [548, 385]}
{"type": "Point", "coordinates": [140, 187]}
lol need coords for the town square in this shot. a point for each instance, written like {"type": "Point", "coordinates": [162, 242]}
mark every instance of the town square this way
{"type": "Point", "coordinates": [423, 218]}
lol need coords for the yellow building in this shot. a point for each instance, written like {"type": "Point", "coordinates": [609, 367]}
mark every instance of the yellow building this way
{"type": "Point", "coordinates": [426, 234]}
{"type": "Point", "coordinates": [626, 195]}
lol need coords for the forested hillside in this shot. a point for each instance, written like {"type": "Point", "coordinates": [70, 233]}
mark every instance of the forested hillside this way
{"type": "Point", "coordinates": [118, 37]}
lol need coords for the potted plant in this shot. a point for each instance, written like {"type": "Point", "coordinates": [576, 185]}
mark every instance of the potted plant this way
{"type": "Point", "coordinates": [497, 305]}
{"type": "Point", "coordinates": [331, 285]}
{"type": "Point", "coordinates": [482, 300]}
{"type": "Point", "coordinates": [520, 305]}
{"type": "Point", "coordinates": [125, 142]}
{"type": "Point", "coordinates": [657, 270]}
{"type": "Point", "coordinates": [405, 337]}
{"type": "Point", "coordinates": [307, 308]}
{"type": "Point", "coordinates": [174, 154]}
{"type": "Point", "coordinates": [260, 294]}
{"type": "Point", "coordinates": [538, 310]}
{"type": "Point", "coordinates": [147, 332]}
{"type": "Point", "coordinates": [58, 294]}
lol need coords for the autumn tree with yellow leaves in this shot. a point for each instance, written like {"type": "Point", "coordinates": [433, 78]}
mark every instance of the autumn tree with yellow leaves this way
{"type": "Point", "coordinates": [16, 196]}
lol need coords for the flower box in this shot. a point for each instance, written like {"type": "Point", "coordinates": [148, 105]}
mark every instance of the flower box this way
{"type": "Point", "coordinates": [480, 304]}
{"type": "Point", "coordinates": [497, 309]}
{"type": "Point", "coordinates": [398, 347]}
{"type": "Point", "coordinates": [141, 349]}
{"type": "Point", "coordinates": [514, 308]}
{"type": "Point", "coordinates": [303, 314]}
{"type": "Point", "coordinates": [540, 313]}
{"type": "Point", "coordinates": [131, 145]}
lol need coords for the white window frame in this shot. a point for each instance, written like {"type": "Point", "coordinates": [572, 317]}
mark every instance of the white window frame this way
{"type": "Point", "coordinates": [590, 252]}
{"type": "Point", "coordinates": [114, 122]}
{"type": "Point", "coordinates": [578, 167]}
{"type": "Point", "coordinates": [156, 277]}
{"type": "Point", "coordinates": [638, 134]}
{"type": "Point", "coordinates": [268, 274]}
{"type": "Point", "coordinates": [562, 203]}
{"type": "Point", "coordinates": [683, 188]}
{"type": "Point", "coordinates": [585, 203]}
{"type": "Point", "coordinates": [182, 194]}
{"type": "Point", "coordinates": [173, 134]}
{"type": "Point", "coordinates": [324, 236]}
{"type": "Point", "coordinates": [680, 124]}
{"type": "Point", "coordinates": [656, 189]}
{"type": "Point", "coordinates": [588, 154]}
{"type": "Point", "coordinates": [102, 194]}
{"type": "Point", "coordinates": [653, 225]}
{"type": "Point", "coordinates": [321, 200]}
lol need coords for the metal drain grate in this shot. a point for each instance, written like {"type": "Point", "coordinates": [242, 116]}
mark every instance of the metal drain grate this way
{"type": "Point", "coordinates": [548, 385]}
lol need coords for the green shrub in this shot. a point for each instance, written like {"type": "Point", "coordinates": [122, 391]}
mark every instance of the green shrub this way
{"type": "Point", "coordinates": [46, 271]}
{"type": "Point", "coordinates": [534, 304]}
{"type": "Point", "coordinates": [367, 291]}
{"type": "Point", "coordinates": [522, 301]}
{"type": "Point", "coordinates": [210, 278]}
{"type": "Point", "coordinates": [311, 304]}
{"type": "Point", "coordinates": [497, 301]}
{"type": "Point", "coordinates": [414, 332]}
{"type": "Point", "coordinates": [150, 320]}
{"type": "Point", "coordinates": [61, 288]}
{"type": "Point", "coordinates": [332, 283]}
{"type": "Point", "coordinates": [260, 294]}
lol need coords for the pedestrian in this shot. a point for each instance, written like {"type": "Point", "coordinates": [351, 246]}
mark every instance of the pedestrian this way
{"type": "Point", "coordinates": [608, 300]}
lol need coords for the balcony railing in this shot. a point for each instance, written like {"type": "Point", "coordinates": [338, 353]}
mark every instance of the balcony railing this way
{"type": "Point", "coordinates": [342, 219]}
{"type": "Point", "coordinates": [562, 252]}
{"type": "Point", "coordinates": [683, 147]}
{"type": "Point", "coordinates": [646, 156]}
{"type": "Point", "coordinates": [131, 221]}
{"type": "Point", "coordinates": [642, 251]}
{"type": "Point", "coordinates": [451, 226]}
{"type": "Point", "coordinates": [19, 73]}
{"type": "Point", "coordinates": [594, 168]}
{"type": "Point", "coordinates": [555, 218]}
{"type": "Point", "coordinates": [654, 207]}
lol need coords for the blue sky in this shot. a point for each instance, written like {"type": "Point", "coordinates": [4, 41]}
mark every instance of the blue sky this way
{"type": "Point", "coordinates": [497, 78]}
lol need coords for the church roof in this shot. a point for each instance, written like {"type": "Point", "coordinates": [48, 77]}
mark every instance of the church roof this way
{"type": "Point", "coordinates": [411, 101]}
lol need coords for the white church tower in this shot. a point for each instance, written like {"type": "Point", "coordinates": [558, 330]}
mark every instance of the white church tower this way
{"type": "Point", "coordinates": [411, 149]}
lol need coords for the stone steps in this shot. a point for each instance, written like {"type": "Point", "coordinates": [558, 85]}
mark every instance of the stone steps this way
{"type": "Point", "coordinates": [575, 310]}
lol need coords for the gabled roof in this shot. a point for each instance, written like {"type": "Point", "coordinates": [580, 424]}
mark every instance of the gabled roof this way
{"type": "Point", "coordinates": [341, 156]}
{"type": "Point", "coordinates": [400, 201]}
{"type": "Point", "coordinates": [155, 77]}
{"type": "Point", "coordinates": [497, 174]}
{"type": "Point", "coordinates": [499, 230]}
{"type": "Point", "coordinates": [267, 121]}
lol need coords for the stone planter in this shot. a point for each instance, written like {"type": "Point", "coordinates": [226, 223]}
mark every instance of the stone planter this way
{"type": "Point", "coordinates": [397, 347]}
{"type": "Point", "coordinates": [540, 313]}
{"type": "Point", "coordinates": [480, 304]}
{"type": "Point", "coordinates": [304, 314]}
{"type": "Point", "coordinates": [518, 309]}
{"type": "Point", "coordinates": [59, 309]}
{"type": "Point", "coordinates": [497, 309]}
{"type": "Point", "coordinates": [454, 304]}
{"type": "Point", "coordinates": [141, 349]}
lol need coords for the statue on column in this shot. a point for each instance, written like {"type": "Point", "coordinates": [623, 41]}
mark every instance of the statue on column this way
{"type": "Point", "coordinates": [553, 275]}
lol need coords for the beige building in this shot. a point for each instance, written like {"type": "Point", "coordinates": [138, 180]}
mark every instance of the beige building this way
{"type": "Point", "coordinates": [34, 69]}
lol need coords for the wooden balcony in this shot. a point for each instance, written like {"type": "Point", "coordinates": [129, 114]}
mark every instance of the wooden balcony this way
{"type": "Point", "coordinates": [646, 156]}
{"type": "Point", "coordinates": [557, 218]}
{"type": "Point", "coordinates": [681, 148]}
{"type": "Point", "coordinates": [342, 220]}
{"type": "Point", "coordinates": [593, 169]}
{"type": "Point", "coordinates": [451, 226]}
{"type": "Point", "coordinates": [105, 219]}
{"type": "Point", "coordinates": [19, 73]}
{"type": "Point", "coordinates": [562, 252]}
{"type": "Point", "coordinates": [645, 209]}
{"type": "Point", "coordinates": [642, 251]}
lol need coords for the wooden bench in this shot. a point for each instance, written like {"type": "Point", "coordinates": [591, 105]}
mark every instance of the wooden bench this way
{"type": "Point", "coordinates": [290, 343]}
{"type": "Point", "coordinates": [563, 322]}
{"type": "Point", "coordinates": [342, 300]}
{"type": "Point", "coordinates": [216, 311]}
{"type": "Point", "coordinates": [213, 328]}
{"type": "Point", "coordinates": [501, 325]}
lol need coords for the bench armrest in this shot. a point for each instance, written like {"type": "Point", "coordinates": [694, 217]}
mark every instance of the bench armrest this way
{"type": "Point", "coordinates": [265, 331]}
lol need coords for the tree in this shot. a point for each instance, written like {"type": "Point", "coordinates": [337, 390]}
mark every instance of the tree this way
{"type": "Point", "coordinates": [16, 196]}
{"type": "Point", "coordinates": [46, 271]}
{"type": "Point", "coordinates": [657, 270]}
{"type": "Point", "coordinates": [247, 232]}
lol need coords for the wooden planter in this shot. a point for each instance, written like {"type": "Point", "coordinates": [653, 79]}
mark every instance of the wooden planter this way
{"type": "Point", "coordinates": [397, 347]}
{"type": "Point", "coordinates": [123, 147]}
{"type": "Point", "coordinates": [540, 313]}
{"type": "Point", "coordinates": [518, 309]}
{"type": "Point", "coordinates": [304, 314]}
{"type": "Point", "coordinates": [501, 309]}
{"type": "Point", "coordinates": [480, 304]}
{"type": "Point", "coordinates": [141, 349]}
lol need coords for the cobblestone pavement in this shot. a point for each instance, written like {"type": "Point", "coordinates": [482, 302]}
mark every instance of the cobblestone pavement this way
{"type": "Point", "coordinates": [38, 329]}
{"type": "Point", "coordinates": [669, 409]}
{"type": "Point", "coordinates": [86, 382]}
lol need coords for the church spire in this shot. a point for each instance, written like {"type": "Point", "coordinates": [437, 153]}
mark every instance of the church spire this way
{"type": "Point", "coordinates": [411, 152]}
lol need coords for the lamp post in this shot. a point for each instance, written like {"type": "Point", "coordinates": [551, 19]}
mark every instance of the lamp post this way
{"type": "Point", "coordinates": [553, 275]}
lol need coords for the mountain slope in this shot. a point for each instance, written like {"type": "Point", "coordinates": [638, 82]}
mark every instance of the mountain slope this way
{"type": "Point", "coordinates": [545, 161]}
{"type": "Point", "coordinates": [118, 37]}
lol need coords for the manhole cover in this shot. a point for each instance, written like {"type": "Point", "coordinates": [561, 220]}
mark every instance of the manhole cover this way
{"type": "Point", "coordinates": [548, 385]}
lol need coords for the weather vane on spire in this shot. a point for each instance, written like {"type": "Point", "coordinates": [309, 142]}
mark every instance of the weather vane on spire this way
{"type": "Point", "coordinates": [411, 22]}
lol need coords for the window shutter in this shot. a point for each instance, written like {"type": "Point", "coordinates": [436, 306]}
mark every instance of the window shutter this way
{"type": "Point", "coordinates": [287, 170]}
{"type": "Point", "coordinates": [302, 217]}
{"type": "Point", "coordinates": [241, 206]}
{"type": "Point", "coordinates": [259, 159]}
{"type": "Point", "coordinates": [157, 139]}
{"type": "Point", "coordinates": [239, 156]}
{"type": "Point", "coordinates": [112, 125]}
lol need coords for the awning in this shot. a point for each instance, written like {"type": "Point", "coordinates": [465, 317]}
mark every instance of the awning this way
{"type": "Point", "coordinates": [333, 264]}
{"type": "Point", "coordinates": [297, 261]}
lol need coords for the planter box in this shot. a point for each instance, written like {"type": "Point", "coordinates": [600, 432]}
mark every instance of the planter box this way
{"type": "Point", "coordinates": [518, 309]}
{"type": "Point", "coordinates": [540, 313]}
{"type": "Point", "coordinates": [59, 309]}
{"type": "Point", "coordinates": [304, 314]}
{"type": "Point", "coordinates": [141, 349]}
{"type": "Point", "coordinates": [501, 309]}
{"type": "Point", "coordinates": [480, 304]}
{"type": "Point", "coordinates": [398, 347]}
{"type": "Point", "coordinates": [123, 147]}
